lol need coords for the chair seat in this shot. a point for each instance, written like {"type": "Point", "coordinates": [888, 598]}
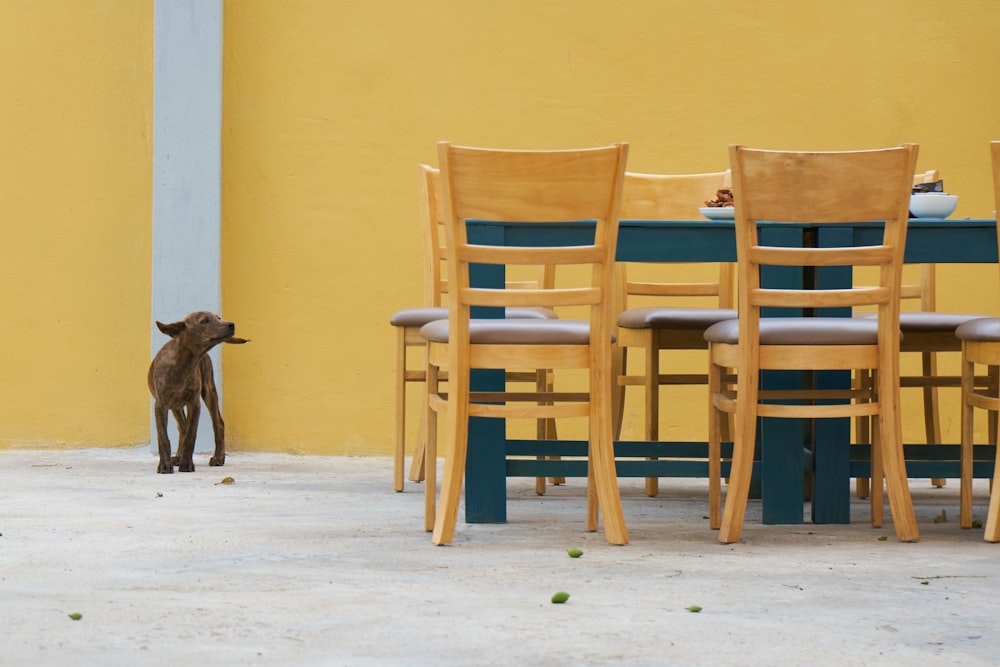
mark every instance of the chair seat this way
{"type": "Point", "coordinates": [514, 332]}
{"type": "Point", "coordinates": [984, 329]}
{"type": "Point", "coordinates": [653, 317]}
{"type": "Point", "coordinates": [418, 317]}
{"type": "Point", "coordinates": [801, 331]}
{"type": "Point", "coordinates": [930, 321]}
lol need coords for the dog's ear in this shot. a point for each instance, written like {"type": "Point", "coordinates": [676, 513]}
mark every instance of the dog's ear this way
{"type": "Point", "coordinates": [172, 330]}
{"type": "Point", "coordinates": [236, 341]}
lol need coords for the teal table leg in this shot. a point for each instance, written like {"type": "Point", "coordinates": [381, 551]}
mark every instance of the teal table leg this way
{"type": "Point", "coordinates": [831, 438]}
{"type": "Point", "coordinates": [782, 458]}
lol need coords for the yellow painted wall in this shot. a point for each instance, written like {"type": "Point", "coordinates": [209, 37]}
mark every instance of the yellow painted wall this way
{"type": "Point", "coordinates": [329, 105]}
{"type": "Point", "coordinates": [75, 198]}
{"type": "Point", "coordinates": [327, 108]}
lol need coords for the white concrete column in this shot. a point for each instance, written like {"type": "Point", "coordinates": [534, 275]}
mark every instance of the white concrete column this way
{"type": "Point", "coordinates": [187, 171]}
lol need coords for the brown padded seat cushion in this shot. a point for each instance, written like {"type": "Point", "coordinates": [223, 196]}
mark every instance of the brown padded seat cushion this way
{"type": "Point", "coordinates": [802, 331]}
{"type": "Point", "coordinates": [654, 317]}
{"type": "Point", "coordinates": [984, 329]}
{"type": "Point", "coordinates": [930, 321]}
{"type": "Point", "coordinates": [418, 317]}
{"type": "Point", "coordinates": [515, 332]}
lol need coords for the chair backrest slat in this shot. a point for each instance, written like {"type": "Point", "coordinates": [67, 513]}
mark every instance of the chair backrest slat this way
{"type": "Point", "coordinates": [853, 186]}
{"type": "Point", "coordinates": [834, 298]}
{"type": "Point", "coordinates": [532, 298]}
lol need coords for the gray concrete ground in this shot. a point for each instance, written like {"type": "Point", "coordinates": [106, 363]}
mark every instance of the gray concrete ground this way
{"type": "Point", "coordinates": [308, 560]}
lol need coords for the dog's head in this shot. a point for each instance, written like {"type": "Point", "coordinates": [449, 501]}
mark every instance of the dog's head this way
{"type": "Point", "coordinates": [203, 329]}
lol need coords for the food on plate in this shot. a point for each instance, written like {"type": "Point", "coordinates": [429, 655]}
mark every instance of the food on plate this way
{"type": "Point", "coordinates": [723, 197]}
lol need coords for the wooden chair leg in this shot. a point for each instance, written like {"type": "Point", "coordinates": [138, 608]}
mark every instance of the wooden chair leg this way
{"type": "Point", "coordinates": [715, 428]}
{"type": "Point", "coordinates": [601, 455]}
{"type": "Point", "coordinates": [456, 448]}
{"type": "Point", "coordinates": [862, 433]}
{"type": "Point", "coordinates": [619, 367]}
{"type": "Point", "coordinates": [399, 453]}
{"type": "Point", "coordinates": [967, 418]}
{"type": "Point", "coordinates": [993, 372]}
{"type": "Point", "coordinates": [652, 386]}
{"type": "Point", "coordinates": [417, 461]}
{"type": "Point", "coordinates": [932, 419]}
{"type": "Point", "coordinates": [992, 532]}
{"type": "Point", "coordinates": [593, 502]}
{"type": "Point", "coordinates": [545, 429]}
{"type": "Point", "coordinates": [744, 439]}
{"type": "Point", "coordinates": [541, 384]}
{"type": "Point", "coordinates": [877, 480]}
{"type": "Point", "coordinates": [893, 462]}
{"type": "Point", "coordinates": [429, 435]}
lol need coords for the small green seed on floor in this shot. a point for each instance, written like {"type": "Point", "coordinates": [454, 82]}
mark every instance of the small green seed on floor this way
{"type": "Point", "coordinates": [76, 616]}
{"type": "Point", "coordinates": [574, 552]}
{"type": "Point", "coordinates": [977, 523]}
{"type": "Point", "coordinates": [694, 609]}
{"type": "Point", "coordinates": [883, 538]}
{"type": "Point", "coordinates": [560, 597]}
{"type": "Point", "coordinates": [925, 583]}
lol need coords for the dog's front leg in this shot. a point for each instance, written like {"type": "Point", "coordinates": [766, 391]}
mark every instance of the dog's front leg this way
{"type": "Point", "coordinates": [210, 395]}
{"type": "Point", "coordinates": [188, 433]}
{"type": "Point", "coordinates": [162, 440]}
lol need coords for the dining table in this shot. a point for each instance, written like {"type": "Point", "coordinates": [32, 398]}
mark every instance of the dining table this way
{"type": "Point", "coordinates": [795, 458]}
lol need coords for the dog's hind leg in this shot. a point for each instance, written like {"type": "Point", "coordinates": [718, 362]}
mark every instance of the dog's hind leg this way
{"type": "Point", "coordinates": [188, 429]}
{"type": "Point", "coordinates": [181, 420]}
{"type": "Point", "coordinates": [210, 395]}
{"type": "Point", "coordinates": [166, 466]}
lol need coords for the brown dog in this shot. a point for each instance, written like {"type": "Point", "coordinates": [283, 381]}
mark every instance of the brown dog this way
{"type": "Point", "coordinates": [180, 377]}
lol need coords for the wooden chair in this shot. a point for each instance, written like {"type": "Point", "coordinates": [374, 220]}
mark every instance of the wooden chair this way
{"type": "Point", "coordinates": [528, 187]}
{"type": "Point", "coordinates": [667, 325]}
{"type": "Point", "coordinates": [409, 320]}
{"type": "Point", "coordinates": [981, 346]}
{"type": "Point", "coordinates": [926, 331]}
{"type": "Point", "coordinates": [820, 188]}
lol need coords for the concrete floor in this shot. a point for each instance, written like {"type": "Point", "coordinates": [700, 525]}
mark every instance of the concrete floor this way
{"type": "Point", "coordinates": [308, 560]}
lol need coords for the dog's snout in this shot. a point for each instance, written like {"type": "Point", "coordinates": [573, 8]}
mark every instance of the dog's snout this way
{"type": "Point", "coordinates": [230, 327]}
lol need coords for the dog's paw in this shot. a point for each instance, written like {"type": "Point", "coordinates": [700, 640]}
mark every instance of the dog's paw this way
{"type": "Point", "coordinates": [186, 467]}
{"type": "Point", "coordinates": [175, 460]}
{"type": "Point", "coordinates": [165, 468]}
{"type": "Point", "coordinates": [217, 461]}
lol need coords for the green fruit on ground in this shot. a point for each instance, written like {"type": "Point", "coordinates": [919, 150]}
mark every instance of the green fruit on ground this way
{"type": "Point", "coordinates": [560, 597]}
{"type": "Point", "coordinates": [574, 552]}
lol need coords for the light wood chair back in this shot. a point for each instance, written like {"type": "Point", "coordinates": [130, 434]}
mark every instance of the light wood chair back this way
{"type": "Point", "coordinates": [674, 197]}
{"type": "Point", "coordinates": [981, 348]}
{"type": "Point", "coordinates": [528, 187]}
{"type": "Point", "coordinates": [927, 332]}
{"type": "Point", "coordinates": [665, 197]}
{"type": "Point", "coordinates": [822, 188]}
{"type": "Point", "coordinates": [409, 321]}
{"type": "Point", "coordinates": [926, 287]}
{"type": "Point", "coordinates": [431, 228]}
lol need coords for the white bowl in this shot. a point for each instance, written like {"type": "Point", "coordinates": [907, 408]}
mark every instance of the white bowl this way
{"type": "Point", "coordinates": [718, 212]}
{"type": "Point", "coordinates": [932, 204]}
